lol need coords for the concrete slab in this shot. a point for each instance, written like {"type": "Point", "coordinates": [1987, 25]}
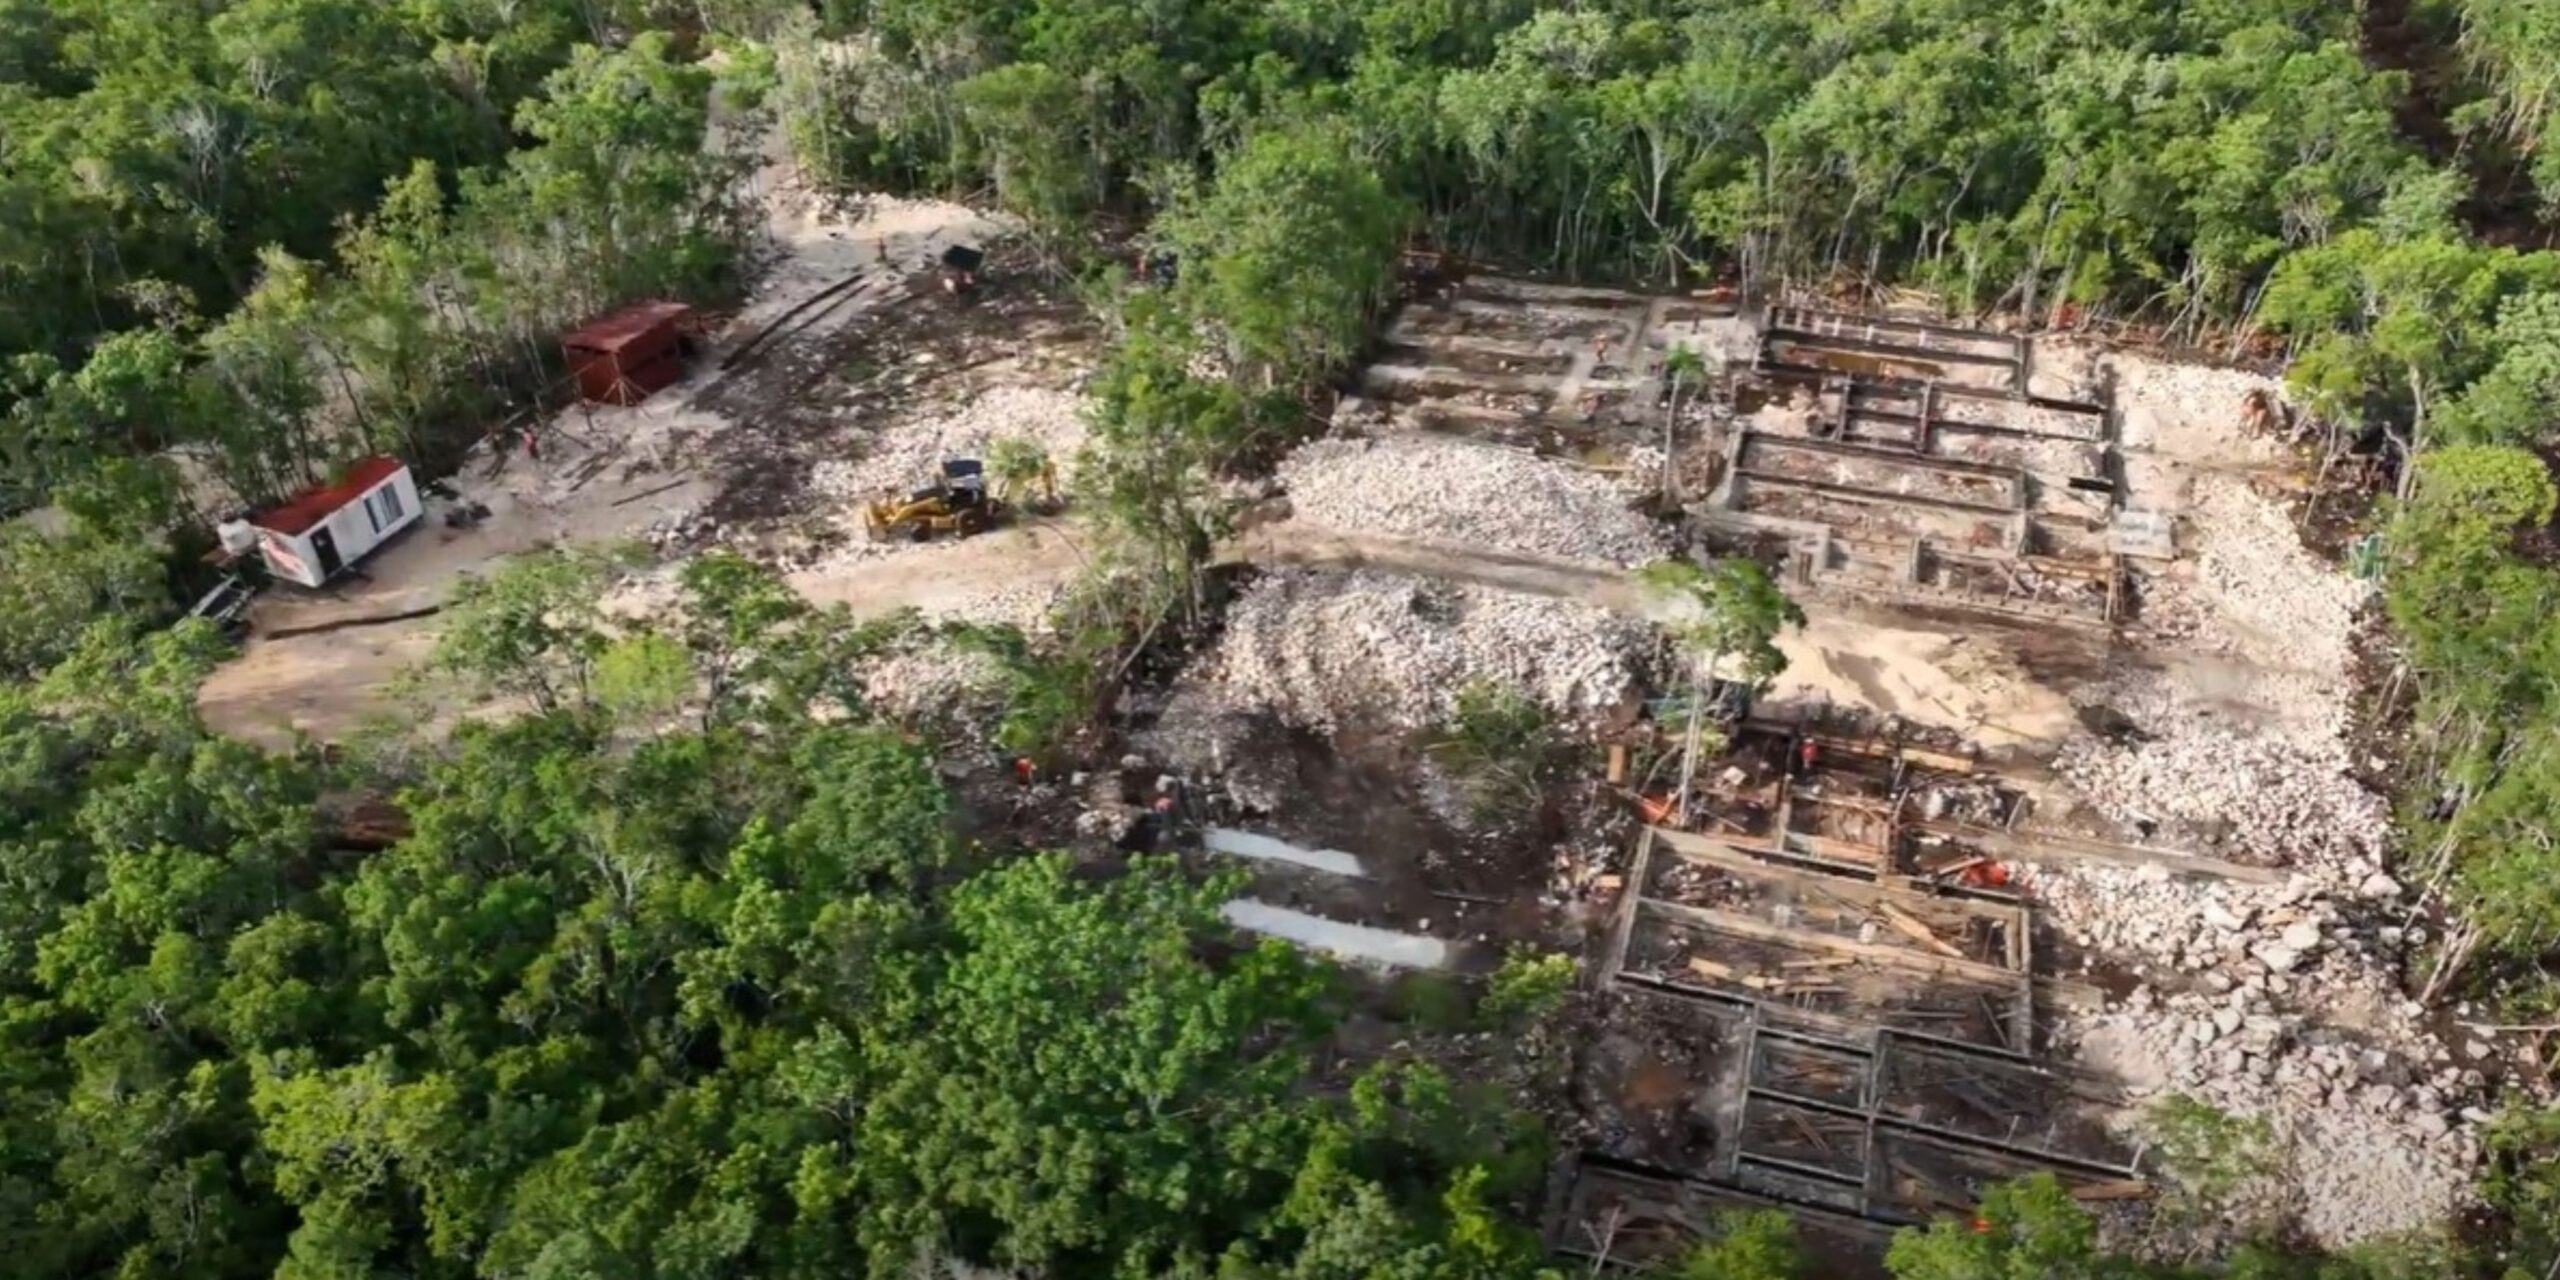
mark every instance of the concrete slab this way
{"type": "Point", "coordinates": [1353, 942]}
{"type": "Point", "coordinates": [1248, 844]}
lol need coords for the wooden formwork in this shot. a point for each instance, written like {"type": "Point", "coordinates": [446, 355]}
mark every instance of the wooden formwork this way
{"type": "Point", "coordinates": [1831, 952]}
{"type": "Point", "coordinates": [1630, 1217]}
{"type": "Point", "coordinates": [1858, 1112]}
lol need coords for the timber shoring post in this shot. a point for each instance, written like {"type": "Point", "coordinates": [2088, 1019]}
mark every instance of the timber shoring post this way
{"type": "Point", "coordinates": [1633, 897]}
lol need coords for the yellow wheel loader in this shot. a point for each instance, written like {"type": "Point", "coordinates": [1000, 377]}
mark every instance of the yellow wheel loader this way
{"type": "Point", "coordinates": [958, 505]}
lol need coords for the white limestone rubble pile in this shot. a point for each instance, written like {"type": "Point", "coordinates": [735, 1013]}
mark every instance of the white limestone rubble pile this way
{"type": "Point", "coordinates": [1322, 648]}
{"type": "Point", "coordinates": [2209, 927]}
{"type": "Point", "coordinates": [2372, 1134]}
{"type": "Point", "coordinates": [1417, 485]}
{"type": "Point", "coordinates": [2178, 409]}
{"type": "Point", "coordinates": [2291, 608]}
{"type": "Point", "coordinates": [931, 679]}
{"type": "Point", "coordinates": [909, 454]}
{"type": "Point", "coordinates": [2253, 800]}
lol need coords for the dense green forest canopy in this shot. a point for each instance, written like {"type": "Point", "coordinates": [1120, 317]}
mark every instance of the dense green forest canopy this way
{"type": "Point", "coordinates": [683, 973]}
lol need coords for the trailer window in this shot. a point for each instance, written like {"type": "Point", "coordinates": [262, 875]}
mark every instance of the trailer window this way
{"type": "Point", "coordinates": [382, 507]}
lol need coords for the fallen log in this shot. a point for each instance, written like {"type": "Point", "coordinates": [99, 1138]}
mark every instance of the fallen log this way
{"type": "Point", "coordinates": [343, 624]}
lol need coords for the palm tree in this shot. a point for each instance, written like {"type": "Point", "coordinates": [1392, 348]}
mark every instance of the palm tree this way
{"type": "Point", "coordinates": [1724, 609]}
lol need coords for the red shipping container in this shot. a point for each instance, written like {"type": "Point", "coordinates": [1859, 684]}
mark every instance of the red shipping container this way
{"type": "Point", "coordinates": [625, 355]}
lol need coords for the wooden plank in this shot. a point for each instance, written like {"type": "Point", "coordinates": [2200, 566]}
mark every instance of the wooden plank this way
{"type": "Point", "coordinates": [1742, 926]}
{"type": "Point", "coordinates": [1910, 927]}
{"type": "Point", "coordinates": [2050, 847]}
{"type": "Point", "coordinates": [1734, 859]}
{"type": "Point", "coordinates": [2121, 1189]}
{"type": "Point", "coordinates": [1628, 902]}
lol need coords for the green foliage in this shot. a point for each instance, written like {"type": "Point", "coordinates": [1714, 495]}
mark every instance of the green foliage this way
{"type": "Point", "coordinates": [2106, 155]}
{"type": "Point", "coordinates": [1746, 1246]}
{"type": "Point", "coordinates": [720, 998]}
{"type": "Point", "coordinates": [2210, 1153]}
{"type": "Point", "coordinates": [2030, 1229]}
{"type": "Point", "coordinates": [457, 260]}
{"type": "Point", "coordinates": [1725, 611]}
{"type": "Point", "coordinates": [2512, 402]}
{"type": "Point", "coordinates": [1501, 746]}
{"type": "Point", "coordinates": [1529, 987]}
{"type": "Point", "coordinates": [1077, 1079]}
{"type": "Point", "coordinates": [2395, 326]}
{"type": "Point", "coordinates": [160, 146]}
{"type": "Point", "coordinates": [642, 676]}
{"type": "Point", "coordinates": [52, 585]}
{"type": "Point", "coordinates": [1019, 464]}
{"type": "Point", "coordinates": [2478, 624]}
{"type": "Point", "coordinates": [1161, 435]}
{"type": "Point", "coordinates": [1049, 697]}
{"type": "Point", "coordinates": [2523, 1183]}
{"type": "Point", "coordinates": [1030, 122]}
{"type": "Point", "coordinates": [2509, 42]}
{"type": "Point", "coordinates": [740, 646]}
{"type": "Point", "coordinates": [1290, 249]}
{"type": "Point", "coordinates": [1431, 1000]}
{"type": "Point", "coordinates": [533, 628]}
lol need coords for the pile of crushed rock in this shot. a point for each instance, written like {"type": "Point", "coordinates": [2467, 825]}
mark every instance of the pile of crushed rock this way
{"type": "Point", "coordinates": [2291, 608]}
{"type": "Point", "coordinates": [1323, 648]}
{"type": "Point", "coordinates": [928, 679]}
{"type": "Point", "coordinates": [2202, 926]}
{"type": "Point", "coordinates": [2251, 799]}
{"type": "Point", "coordinates": [2370, 1135]}
{"type": "Point", "coordinates": [1418, 485]}
{"type": "Point", "coordinates": [909, 455]}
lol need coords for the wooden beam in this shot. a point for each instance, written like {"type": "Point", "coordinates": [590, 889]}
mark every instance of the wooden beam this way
{"type": "Point", "coordinates": [2052, 847]}
{"type": "Point", "coordinates": [1742, 926]}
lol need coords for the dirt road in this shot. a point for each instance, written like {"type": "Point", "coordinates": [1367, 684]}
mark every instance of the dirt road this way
{"type": "Point", "coordinates": [993, 576]}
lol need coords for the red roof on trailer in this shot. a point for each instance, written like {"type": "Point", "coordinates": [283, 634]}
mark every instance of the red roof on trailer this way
{"type": "Point", "coordinates": [295, 515]}
{"type": "Point", "coordinates": [615, 330]}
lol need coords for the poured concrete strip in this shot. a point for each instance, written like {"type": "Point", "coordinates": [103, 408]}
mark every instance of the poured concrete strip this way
{"type": "Point", "coordinates": [1353, 942]}
{"type": "Point", "coordinates": [1246, 844]}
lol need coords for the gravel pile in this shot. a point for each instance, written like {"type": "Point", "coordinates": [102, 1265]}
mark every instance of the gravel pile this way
{"type": "Point", "coordinates": [2257, 799]}
{"type": "Point", "coordinates": [2207, 927]}
{"type": "Point", "coordinates": [1638, 469]}
{"type": "Point", "coordinates": [2084, 902]}
{"type": "Point", "coordinates": [1322, 648]}
{"type": "Point", "coordinates": [910, 454]}
{"type": "Point", "coordinates": [1423, 486]}
{"type": "Point", "coordinates": [2246, 717]}
{"type": "Point", "coordinates": [1202, 732]}
{"type": "Point", "coordinates": [2289, 607]}
{"type": "Point", "coordinates": [2192, 412]}
{"type": "Point", "coordinates": [932, 679]}
{"type": "Point", "coordinates": [2370, 1136]}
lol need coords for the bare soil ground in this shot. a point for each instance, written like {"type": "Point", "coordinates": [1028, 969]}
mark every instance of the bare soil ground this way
{"type": "Point", "coordinates": [721, 458]}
